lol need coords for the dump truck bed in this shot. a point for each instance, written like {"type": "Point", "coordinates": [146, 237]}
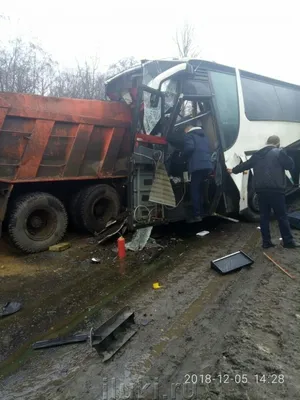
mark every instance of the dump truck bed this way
{"type": "Point", "coordinates": [48, 139]}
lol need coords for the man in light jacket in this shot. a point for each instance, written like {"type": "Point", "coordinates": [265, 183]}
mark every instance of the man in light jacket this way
{"type": "Point", "coordinates": [269, 165]}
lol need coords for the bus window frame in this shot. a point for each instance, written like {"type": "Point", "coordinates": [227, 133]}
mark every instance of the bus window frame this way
{"type": "Point", "coordinates": [274, 83]}
{"type": "Point", "coordinates": [216, 108]}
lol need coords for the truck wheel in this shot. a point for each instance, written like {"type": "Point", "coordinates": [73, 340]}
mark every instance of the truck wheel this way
{"type": "Point", "coordinates": [36, 222]}
{"type": "Point", "coordinates": [98, 205]}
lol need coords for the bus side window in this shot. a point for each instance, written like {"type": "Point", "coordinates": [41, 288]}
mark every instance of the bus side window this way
{"type": "Point", "coordinates": [226, 95]}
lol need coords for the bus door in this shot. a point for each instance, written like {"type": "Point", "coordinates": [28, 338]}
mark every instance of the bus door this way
{"type": "Point", "coordinates": [165, 103]}
{"type": "Point", "coordinates": [195, 108]}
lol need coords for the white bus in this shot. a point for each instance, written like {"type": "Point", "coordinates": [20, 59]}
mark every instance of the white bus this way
{"type": "Point", "coordinates": [239, 110]}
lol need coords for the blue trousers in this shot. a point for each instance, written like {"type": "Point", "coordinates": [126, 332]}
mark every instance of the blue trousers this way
{"type": "Point", "coordinates": [197, 190]}
{"type": "Point", "coordinates": [276, 201]}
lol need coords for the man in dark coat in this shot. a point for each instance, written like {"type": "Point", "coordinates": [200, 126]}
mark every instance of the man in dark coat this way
{"type": "Point", "coordinates": [269, 165]}
{"type": "Point", "coordinates": [197, 151]}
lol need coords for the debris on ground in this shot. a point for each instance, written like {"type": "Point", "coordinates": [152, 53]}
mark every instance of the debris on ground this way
{"type": "Point", "coordinates": [9, 308]}
{"type": "Point", "coordinates": [227, 218]}
{"type": "Point", "coordinates": [278, 266]}
{"type": "Point", "coordinates": [112, 229]}
{"type": "Point", "coordinates": [95, 260]}
{"type": "Point", "coordinates": [145, 322]}
{"type": "Point", "coordinates": [60, 247]}
{"type": "Point", "coordinates": [156, 285]}
{"type": "Point", "coordinates": [140, 239]}
{"type": "Point", "coordinates": [202, 233]}
{"type": "Point", "coordinates": [231, 262]}
{"type": "Point", "coordinates": [152, 244]}
{"type": "Point", "coordinates": [234, 315]}
{"type": "Point", "coordinates": [106, 340]}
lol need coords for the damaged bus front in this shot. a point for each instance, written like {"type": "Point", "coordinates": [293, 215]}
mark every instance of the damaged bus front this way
{"type": "Point", "coordinates": [164, 95]}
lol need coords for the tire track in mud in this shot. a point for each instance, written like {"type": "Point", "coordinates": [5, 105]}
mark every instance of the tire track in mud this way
{"type": "Point", "coordinates": [221, 293]}
{"type": "Point", "coordinates": [203, 323]}
{"type": "Point", "coordinates": [241, 333]}
{"type": "Point", "coordinates": [167, 334]}
{"type": "Point", "coordinates": [192, 267]}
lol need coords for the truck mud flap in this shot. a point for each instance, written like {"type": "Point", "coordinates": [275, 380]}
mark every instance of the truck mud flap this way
{"type": "Point", "coordinates": [114, 333]}
{"type": "Point", "coordinates": [106, 340]}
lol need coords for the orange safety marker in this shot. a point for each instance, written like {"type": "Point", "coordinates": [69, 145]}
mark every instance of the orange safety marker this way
{"type": "Point", "coordinates": [121, 247]}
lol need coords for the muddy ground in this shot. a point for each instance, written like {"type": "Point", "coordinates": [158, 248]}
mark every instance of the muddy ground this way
{"type": "Point", "coordinates": [202, 335]}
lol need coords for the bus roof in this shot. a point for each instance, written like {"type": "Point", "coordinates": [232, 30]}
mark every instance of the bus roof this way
{"type": "Point", "coordinates": [198, 63]}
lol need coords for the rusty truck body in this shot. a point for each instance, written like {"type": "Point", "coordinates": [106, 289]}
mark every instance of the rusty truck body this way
{"type": "Point", "coordinates": [52, 150]}
{"type": "Point", "coordinates": [87, 161]}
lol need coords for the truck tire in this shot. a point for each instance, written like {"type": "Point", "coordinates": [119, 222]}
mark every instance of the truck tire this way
{"type": "Point", "coordinates": [98, 205]}
{"type": "Point", "coordinates": [36, 222]}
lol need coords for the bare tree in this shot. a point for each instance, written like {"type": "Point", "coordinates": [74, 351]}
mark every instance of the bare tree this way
{"type": "Point", "coordinates": [26, 68]}
{"type": "Point", "coordinates": [185, 42]}
{"type": "Point", "coordinates": [86, 81]}
{"type": "Point", "coordinates": [121, 65]}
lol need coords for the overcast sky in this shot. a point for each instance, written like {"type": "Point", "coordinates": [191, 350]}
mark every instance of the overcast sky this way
{"type": "Point", "coordinates": [256, 35]}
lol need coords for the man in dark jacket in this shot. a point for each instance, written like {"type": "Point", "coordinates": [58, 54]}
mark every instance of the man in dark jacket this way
{"type": "Point", "coordinates": [196, 150]}
{"type": "Point", "coordinates": [269, 165]}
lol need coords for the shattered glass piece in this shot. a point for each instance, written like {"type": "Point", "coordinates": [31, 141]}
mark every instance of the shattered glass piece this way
{"type": "Point", "coordinates": [140, 239]}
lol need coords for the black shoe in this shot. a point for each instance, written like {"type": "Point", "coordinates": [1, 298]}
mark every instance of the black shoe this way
{"type": "Point", "coordinates": [268, 245]}
{"type": "Point", "coordinates": [291, 245]}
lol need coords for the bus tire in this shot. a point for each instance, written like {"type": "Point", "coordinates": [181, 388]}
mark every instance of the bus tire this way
{"type": "Point", "coordinates": [98, 205]}
{"type": "Point", "coordinates": [36, 222]}
{"type": "Point", "coordinates": [252, 212]}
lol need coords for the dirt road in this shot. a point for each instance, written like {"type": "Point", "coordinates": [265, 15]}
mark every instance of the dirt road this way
{"type": "Point", "coordinates": [206, 336]}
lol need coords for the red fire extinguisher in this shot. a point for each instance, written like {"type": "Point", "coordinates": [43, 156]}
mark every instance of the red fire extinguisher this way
{"type": "Point", "coordinates": [121, 247]}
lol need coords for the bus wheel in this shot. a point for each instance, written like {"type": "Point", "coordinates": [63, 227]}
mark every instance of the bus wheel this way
{"type": "Point", "coordinates": [36, 222]}
{"type": "Point", "coordinates": [252, 212]}
{"type": "Point", "coordinates": [98, 205]}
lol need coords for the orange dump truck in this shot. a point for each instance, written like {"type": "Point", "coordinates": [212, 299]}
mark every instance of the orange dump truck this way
{"type": "Point", "coordinates": [86, 161]}
{"type": "Point", "coordinates": [58, 160]}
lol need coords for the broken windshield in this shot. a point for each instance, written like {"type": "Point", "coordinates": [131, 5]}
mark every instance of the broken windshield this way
{"type": "Point", "coordinates": [152, 115]}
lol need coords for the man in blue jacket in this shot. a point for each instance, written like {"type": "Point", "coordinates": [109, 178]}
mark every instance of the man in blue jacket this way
{"type": "Point", "coordinates": [269, 165]}
{"type": "Point", "coordinates": [198, 154]}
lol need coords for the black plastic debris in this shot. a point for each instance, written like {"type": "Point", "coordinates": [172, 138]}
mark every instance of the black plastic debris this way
{"type": "Point", "coordinates": [106, 340]}
{"type": "Point", "coordinates": [9, 308]}
{"type": "Point", "coordinates": [44, 344]}
{"type": "Point", "coordinates": [232, 262]}
{"type": "Point", "coordinates": [294, 219]}
{"type": "Point", "coordinates": [114, 333]}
